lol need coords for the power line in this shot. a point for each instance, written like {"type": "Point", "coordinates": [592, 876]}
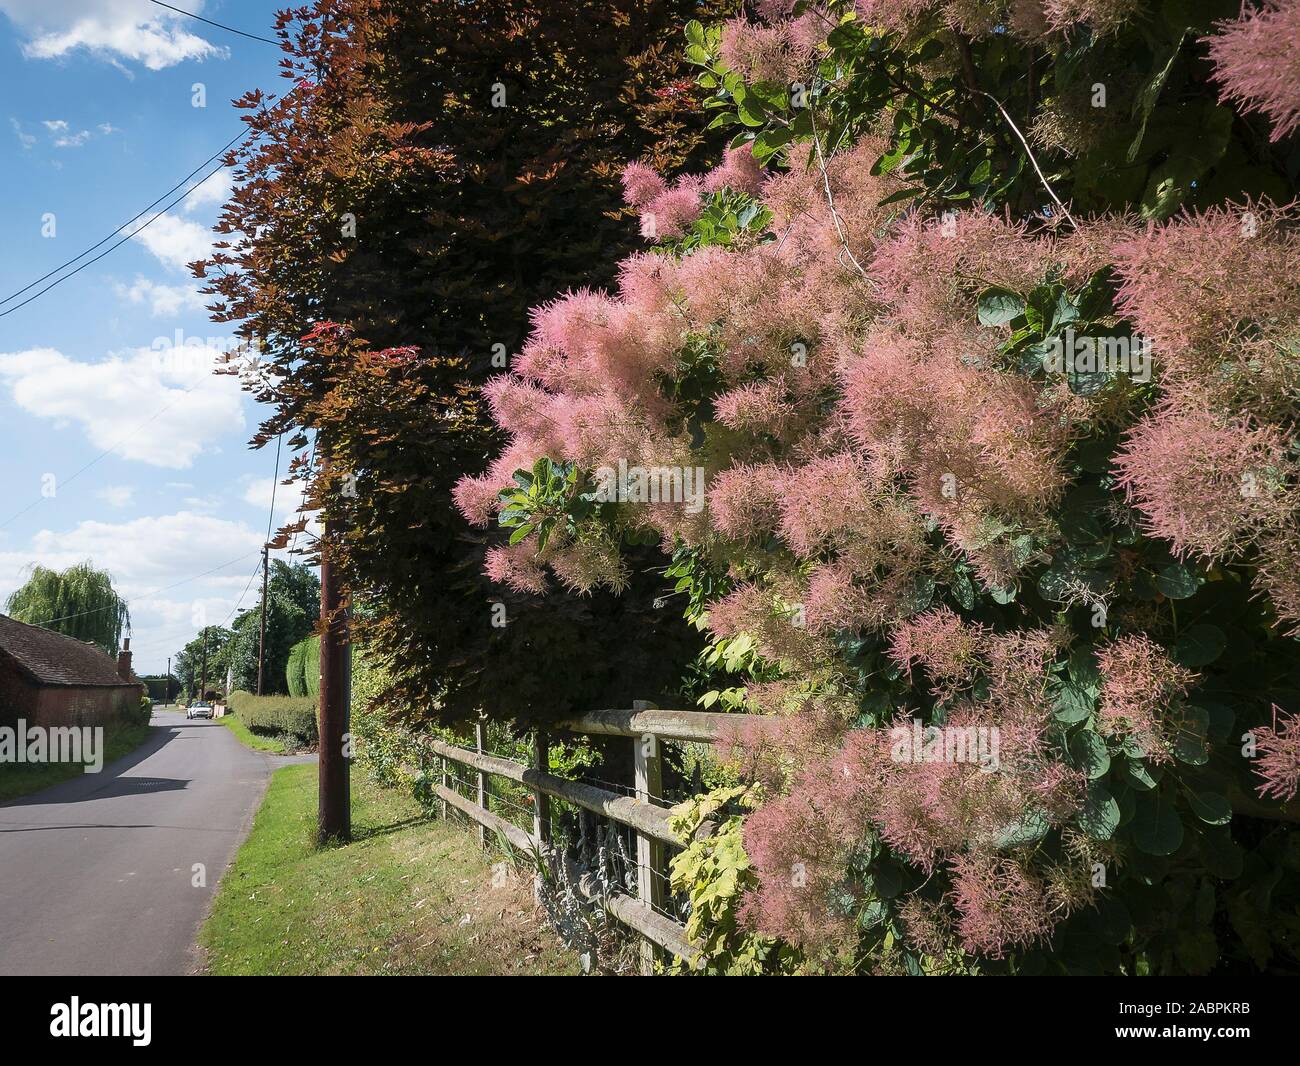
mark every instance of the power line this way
{"type": "Point", "coordinates": [218, 25]}
{"type": "Point", "coordinates": [62, 266]}
{"type": "Point", "coordinates": [112, 247]}
{"type": "Point", "coordinates": [60, 280]}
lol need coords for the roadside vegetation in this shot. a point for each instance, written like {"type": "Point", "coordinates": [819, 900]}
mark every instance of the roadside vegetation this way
{"type": "Point", "coordinates": [289, 720]}
{"type": "Point", "coordinates": [408, 896]}
{"type": "Point", "coordinates": [249, 739]}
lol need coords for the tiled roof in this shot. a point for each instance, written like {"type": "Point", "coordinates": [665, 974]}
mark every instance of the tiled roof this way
{"type": "Point", "coordinates": [53, 659]}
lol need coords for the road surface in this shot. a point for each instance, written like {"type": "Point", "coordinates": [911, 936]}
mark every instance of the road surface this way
{"type": "Point", "coordinates": [97, 874]}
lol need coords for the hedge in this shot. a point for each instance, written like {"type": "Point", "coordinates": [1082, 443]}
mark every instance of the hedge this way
{"type": "Point", "coordinates": [311, 666]}
{"type": "Point", "coordinates": [277, 715]}
{"type": "Point", "coordinates": [302, 671]}
{"type": "Point", "coordinates": [293, 669]}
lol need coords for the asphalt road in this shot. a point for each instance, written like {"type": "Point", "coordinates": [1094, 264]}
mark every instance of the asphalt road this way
{"type": "Point", "coordinates": [97, 873]}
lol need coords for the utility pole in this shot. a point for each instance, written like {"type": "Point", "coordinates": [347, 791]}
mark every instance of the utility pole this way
{"type": "Point", "coordinates": [167, 683]}
{"type": "Point", "coordinates": [334, 807]}
{"type": "Point", "coordinates": [261, 640]}
{"type": "Point", "coordinates": [203, 673]}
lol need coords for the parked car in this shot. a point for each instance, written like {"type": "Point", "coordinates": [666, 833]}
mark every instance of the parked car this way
{"type": "Point", "coordinates": [198, 710]}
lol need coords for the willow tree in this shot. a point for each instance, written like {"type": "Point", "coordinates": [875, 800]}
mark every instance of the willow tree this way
{"type": "Point", "coordinates": [78, 602]}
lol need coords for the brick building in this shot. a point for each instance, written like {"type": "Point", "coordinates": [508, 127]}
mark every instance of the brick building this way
{"type": "Point", "coordinates": [48, 679]}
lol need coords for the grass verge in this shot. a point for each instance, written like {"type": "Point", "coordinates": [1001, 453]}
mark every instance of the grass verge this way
{"type": "Point", "coordinates": [250, 739]}
{"type": "Point", "coordinates": [408, 896]}
{"type": "Point", "coordinates": [20, 780]}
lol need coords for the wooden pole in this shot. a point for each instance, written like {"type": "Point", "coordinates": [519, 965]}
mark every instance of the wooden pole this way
{"type": "Point", "coordinates": [203, 674]}
{"type": "Point", "coordinates": [261, 636]}
{"type": "Point", "coordinates": [334, 815]}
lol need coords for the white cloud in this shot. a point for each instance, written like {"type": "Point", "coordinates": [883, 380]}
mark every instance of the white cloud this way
{"type": "Point", "coordinates": [116, 495]}
{"type": "Point", "coordinates": [163, 300]}
{"type": "Point", "coordinates": [72, 140]}
{"type": "Point", "coordinates": [160, 565]}
{"type": "Point", "coordinates": [160, 407]}
{"type": "Point", "coordinates": [115, 30]}
{"type": "Point", "coordinates": [25, 139]}
{"type": "Point", "coordinates": [289, 501]}
{"type": "Point", "coordinates": [175, 241]}
{"type": "Point", "coordinates": [55, 125]}
{"type": "Point", "coordinates": [212, 190]}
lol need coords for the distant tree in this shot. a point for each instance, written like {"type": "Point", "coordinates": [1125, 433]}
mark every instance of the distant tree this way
{"type": "Point", "coordinates": [292, 609]}
{"type": "Point", "coordinates": [78, 602]}
{"type": "Point", "coordinates": [189, 660]}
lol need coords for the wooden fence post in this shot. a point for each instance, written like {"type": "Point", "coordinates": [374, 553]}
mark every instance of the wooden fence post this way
{"type": "Point", "coordinates": [650, 860]}
{"type": "Point", "coordinates": [541, 801]}
{"type": "Point", "coordinates": [444, 785]}
{"type": "Point", "coordinates": [482, 785]}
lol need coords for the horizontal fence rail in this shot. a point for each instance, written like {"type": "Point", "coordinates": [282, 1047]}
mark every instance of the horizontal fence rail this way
{"type": "Point", "coordinates": [640, 813]}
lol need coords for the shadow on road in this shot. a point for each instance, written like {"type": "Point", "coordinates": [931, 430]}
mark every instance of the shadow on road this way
{"type": "Point", "coordinates": [109, 782]}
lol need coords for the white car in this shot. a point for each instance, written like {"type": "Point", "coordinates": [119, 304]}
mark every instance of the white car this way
{"type": "Point", "coordinates": [198, 710]}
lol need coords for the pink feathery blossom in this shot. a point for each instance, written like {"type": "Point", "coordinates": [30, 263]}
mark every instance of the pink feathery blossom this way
{"type": "Point", "coordinates": [835, 601]}
{"type": "Point", "coordinates": [948, 648]}
{"type": "Point", "coordinates": [739, 171]}
{"type": "Point", "coordinates": [1139, 690]}
{"type": "Point", "coordinates": [670, 213]}
{"type": "Point", "coordinates": [1000, 904]}
{"type": "Point", "coordinates": [1278, 751]}
{"type": "Point", "coordinates": [641, 184]}
{"type": "Point", "coordinates": [823, 498]}
{"type": "Point", "coordinates": [476, 499]}
{"type": "Point", "coordinates": [758, 407]}
{"type": "Point", "coordinates": [1102, 16]}
{"type": "Point", "coordinates": [1204, 482]}
{"type": "Point", "coordinates": [1257, 61]}
{"type": "Point", "coordinates": [516, 566]}
{"type": "Point", "coordinates": [744, 500]}
{"type": "Point", "coordinates": [764, 53]}
{"type": "Point", "coordinates": [584, 565]}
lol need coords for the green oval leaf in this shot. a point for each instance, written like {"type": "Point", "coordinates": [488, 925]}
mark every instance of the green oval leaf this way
{"type": "Point", "coordinates": [1156, 828]}
{"type": "Point", "coordinates": [1100, 816]}
{"type": "Point", "coordinates": [1211, 807]}
{"type": "Point", "coordinates": [1200, 645]}
{"type": "Point", "coordinates": [999, 306]}
{"type": "Point", "coordinates": [1178, 582]}
{"type": "Point", "coordinates": [1089, 753]}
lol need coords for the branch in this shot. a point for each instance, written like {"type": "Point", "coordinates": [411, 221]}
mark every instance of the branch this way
{"type": "Point", "coordinates": [830, 197]}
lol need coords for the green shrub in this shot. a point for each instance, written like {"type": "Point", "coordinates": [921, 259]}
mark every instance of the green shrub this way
{"type": "Point", "coordinates": [294, 716]}
{"type": "Point", "coordinates": [293, 669]}
{"type": "Point", "coordinates": [137, 713]}
{"type": "Point", "coordinates": [311, 666]}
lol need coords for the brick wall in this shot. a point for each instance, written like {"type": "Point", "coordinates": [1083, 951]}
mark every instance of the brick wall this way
{"type": "Point", "coordinates": [61, 705]}
{"type": "Point", "coordinates": [17, 694]}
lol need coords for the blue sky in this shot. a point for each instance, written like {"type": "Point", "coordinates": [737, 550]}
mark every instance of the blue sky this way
{"type": "Point", "coordinates": [115, 444]}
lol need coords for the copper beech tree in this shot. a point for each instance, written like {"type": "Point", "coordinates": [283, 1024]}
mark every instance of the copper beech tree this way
{"type": "Point", "coordinates": [431, 172]}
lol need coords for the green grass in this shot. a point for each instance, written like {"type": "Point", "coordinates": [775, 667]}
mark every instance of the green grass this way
{"type": "Point", "coordinates": [20, 780]}
{"type": "Point", "coordinates": [409, 896]}
{"type": "Point", "coordinates": [250, 739]}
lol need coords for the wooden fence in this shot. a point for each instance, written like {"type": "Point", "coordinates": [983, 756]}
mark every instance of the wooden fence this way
{"type": "Point", "coordinates": [647, 727]}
